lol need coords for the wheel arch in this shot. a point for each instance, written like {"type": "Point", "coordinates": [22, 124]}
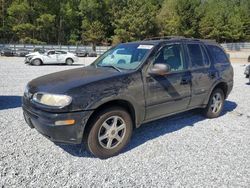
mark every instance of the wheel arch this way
{"type": "Point", "coordinates": [126, 105]}
{"type": "Point", "coordinates": [69, 58]}
{"type": "Point", "coordinates": [222, 85]}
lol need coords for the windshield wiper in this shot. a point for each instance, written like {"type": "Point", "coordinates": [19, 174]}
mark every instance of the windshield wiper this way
{"type": "Point", "coordinates": [110, 66]}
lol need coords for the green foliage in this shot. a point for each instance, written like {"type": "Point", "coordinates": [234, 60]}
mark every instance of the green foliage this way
{"type": "Point", "coordinates": [136, 21]}
{"type": "Point", "coordinates": [115, 21]}
{"type": "Point", "coordinates": [226, 25]}
{"type": "Point", "coordinates": [28, 40]}
{"type": "Point", "coordinates": [93, 27]}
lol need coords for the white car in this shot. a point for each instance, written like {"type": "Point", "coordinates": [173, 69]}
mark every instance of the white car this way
{"type": "Point", "coordinates": [51, 57]}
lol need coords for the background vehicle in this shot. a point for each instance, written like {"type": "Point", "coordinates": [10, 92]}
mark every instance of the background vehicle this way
{"type": "Point", "coordinates": [92, 54]}
{"type": "Point", "coordinates": [51, 57]}
{"type": "Point", "coordinates": [81, 53]}
{"type": "Point", "coordinates": [22, 52]}
{"type": "Point", "coordinates": [7, 52]}
{"type": "Point", "coordinates": [102, 103]}
{"type": "Point", "coordinates": [40, 50]}
{"type": "Point", "coordinates": [247, 71]}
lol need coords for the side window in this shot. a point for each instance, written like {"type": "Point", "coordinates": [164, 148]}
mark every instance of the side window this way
{"type": "Point", "coordinates": [196, 56]}
{"type": "Point", "coordinates": [172, 55]}
{"type": "Point", "coordinates": [218, 54]}
{"type": "Point", "coordinates": [51, 53]}
{"type": "Point", "coordinates": [205, 56]}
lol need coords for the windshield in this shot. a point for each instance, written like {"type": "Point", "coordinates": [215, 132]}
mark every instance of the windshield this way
{"type": "Point", "coordinates": [124, 56]}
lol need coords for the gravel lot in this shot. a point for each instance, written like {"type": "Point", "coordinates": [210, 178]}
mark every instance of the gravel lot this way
{"type": "Point", "coordinates": [181, 151]}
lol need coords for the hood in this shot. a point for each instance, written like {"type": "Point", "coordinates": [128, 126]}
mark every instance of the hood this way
{"type": "Point", "coordinates": [32, 54]}
{"type": "Point", "coordinates": [64, 81]}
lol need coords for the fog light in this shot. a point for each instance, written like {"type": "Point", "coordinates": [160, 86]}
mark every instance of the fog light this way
{"type": "Point", "coordinates": [65, 122]}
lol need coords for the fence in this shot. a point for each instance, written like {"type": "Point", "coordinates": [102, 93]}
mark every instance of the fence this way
{"type": "Point", "coordinates": [245, 46]}
{"type": "Point", "coordinates": [30, 47]}
{"type": "Point", "coordinates": [101, 49]}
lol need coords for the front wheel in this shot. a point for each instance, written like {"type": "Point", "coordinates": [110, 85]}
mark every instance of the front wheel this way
{"type": "Point", "coordinates": [36, 62]}
{"type": "Point", "coordinates": [110, 132]}
{"type": "Point", "coordinates": [215, 104]}
{"type": "Point", "coordinates": [69, 61]}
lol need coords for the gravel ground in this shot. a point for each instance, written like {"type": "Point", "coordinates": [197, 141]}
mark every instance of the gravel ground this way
{"type": "Point", "coordinates": [185, 150]}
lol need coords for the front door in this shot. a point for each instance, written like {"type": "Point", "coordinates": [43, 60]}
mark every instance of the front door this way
{"type": "Point", "coordinates": [170, 93]}
{"type": "Point", "coordinates": [51, 57]}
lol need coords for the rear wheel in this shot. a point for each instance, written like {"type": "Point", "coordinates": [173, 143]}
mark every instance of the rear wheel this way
{"type": "Point", "coordinates": [215, 104]}
{"type": "Point", "coordinates": [69, 61]}
{"type": "Point", "coordinates": [36, 62]}
{"type": "Point", "coordinates": [110, 132]}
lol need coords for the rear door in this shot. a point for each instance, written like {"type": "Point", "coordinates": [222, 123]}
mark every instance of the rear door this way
{"type": "Point", "coordinates": [169, 93]}
{"type": "Point", "coordinates": [61, 56]}
{"type": "Point", "coordinates": [202, 74]}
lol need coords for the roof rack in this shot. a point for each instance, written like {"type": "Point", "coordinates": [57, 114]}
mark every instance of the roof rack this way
{"type": "Point", "coordinates": [180, 37]}
{"type": "Point", "coordinates": [165, 37]}
{"type": "Point", "coordinates": [208, 40]}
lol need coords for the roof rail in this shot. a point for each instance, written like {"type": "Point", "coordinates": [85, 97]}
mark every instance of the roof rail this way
{"type": "Point", "coordinates": [181, 37]}
{"type": "Point", "coordinates": [165, 37]}
{"type": "Point", "coordinates": [208, 40]}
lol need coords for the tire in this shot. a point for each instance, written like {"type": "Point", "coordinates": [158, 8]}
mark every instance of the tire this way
{"type": "Point", "coordinates": [215, 104]}
{"type": "Point", "coordinates": [69, 61]}
{"type": "Point", "coordinates": [103, 142]}
{"type": "Point", "coordinates": [247, 75]}
{"type": "Point", "coordinates": [36, 62]}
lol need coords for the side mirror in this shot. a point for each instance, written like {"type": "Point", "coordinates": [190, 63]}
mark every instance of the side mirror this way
{"type": "Point", "coordinates": [160, 69]}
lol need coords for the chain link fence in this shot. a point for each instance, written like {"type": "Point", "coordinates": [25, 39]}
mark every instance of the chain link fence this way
{"type": "Point", "coordinates": [70, 48]}
{"type": "Point", "coordinates": [101, 49]}
{"type": "Point", "coordinates": [244, 46]}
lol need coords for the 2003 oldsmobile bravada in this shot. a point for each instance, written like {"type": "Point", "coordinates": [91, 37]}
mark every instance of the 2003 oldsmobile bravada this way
{"type": "Point", "coordinates": [129, 85]}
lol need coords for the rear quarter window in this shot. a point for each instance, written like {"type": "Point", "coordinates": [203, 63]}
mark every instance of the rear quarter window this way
{"type": "Point", "coordinates": [217, 54]}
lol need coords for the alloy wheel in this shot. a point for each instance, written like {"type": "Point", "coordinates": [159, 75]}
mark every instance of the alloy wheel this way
{"type": "Point", "coordinates": [216, 103]}
{"type": "Point", "coordinates": [112, 132]}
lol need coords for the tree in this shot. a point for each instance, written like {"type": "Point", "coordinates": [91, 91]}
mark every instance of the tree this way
{"type": "Point", "coordinates": [107, 21]}
{"type": "Point", "coordinates": [45, 26]}
{"type": "Point", "coordinates": [93, 27]}
{"type": "Point", "coordinates": [222, 21]}
{"type": "Point", "coordinates": [136, 21]}
{"type": "Point", "coordinates": [180, 17]}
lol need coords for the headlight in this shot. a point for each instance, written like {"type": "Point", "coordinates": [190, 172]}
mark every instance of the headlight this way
{"type": "Point", "coordinates": [52, 99]}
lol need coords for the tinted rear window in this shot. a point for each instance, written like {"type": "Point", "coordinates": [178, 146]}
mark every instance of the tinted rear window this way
{"type": "Point", "coordinates": [195, 54]}
{"type": "Point", "coordinates": [217, 54]}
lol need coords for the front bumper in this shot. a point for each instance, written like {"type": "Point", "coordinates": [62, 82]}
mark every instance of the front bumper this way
{"type": "Point", "coordinates": [27, 60]}
{"type": "Point", "coordinates": [44, 123]}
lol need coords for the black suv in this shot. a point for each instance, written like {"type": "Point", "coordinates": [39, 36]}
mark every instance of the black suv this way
{"type": "Point", "coordinates": [129, 85]}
